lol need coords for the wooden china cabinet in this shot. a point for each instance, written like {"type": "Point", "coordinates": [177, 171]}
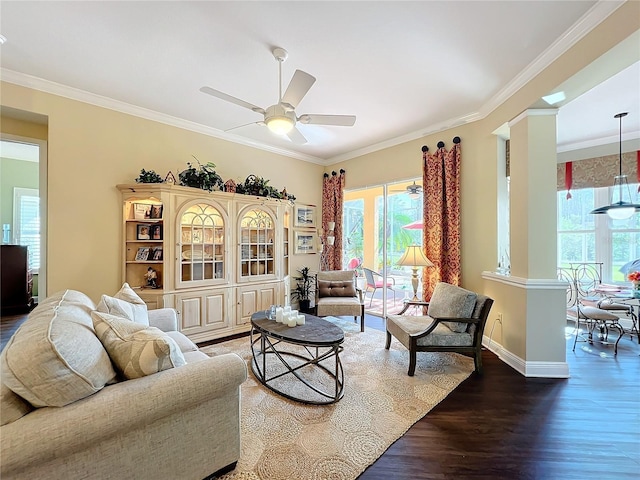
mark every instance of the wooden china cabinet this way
{"type": "Point", "coordinates": [216, 257]}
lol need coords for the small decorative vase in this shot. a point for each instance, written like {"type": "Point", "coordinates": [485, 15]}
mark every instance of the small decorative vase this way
{"type": "Point", "coordinates": [636, 289]}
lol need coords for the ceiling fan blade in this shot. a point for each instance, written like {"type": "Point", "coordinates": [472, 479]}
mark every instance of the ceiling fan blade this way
{"type": "Point", "coordinates": [298, 88]}
{"type": "Point", "coordinates": [229, 98]}
{"type": "Point", "coordinates": [261, 122]}
{"type": "Point", "coordinates": [338, 120]}
{"type": "Point", "coordinates": [296, 137]}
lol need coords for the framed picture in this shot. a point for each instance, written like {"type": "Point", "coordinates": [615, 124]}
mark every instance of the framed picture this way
{"type": "Point", "coordinates": [305, 242]}
{"type": "Point", "coordinates": [156, 254]}
{"type": "Point", "coordinates": [143, 254]}
{"type": "Point", "coordinates": [143, 232]}
{"type": "Point", "coordinates": [156, 211]}
{"type": "Point", "coordinates": [156, 232]}
{"type": "Point", "coordinates": [304, 216]}
{"type": "Point", "coordinates": [141, 211]}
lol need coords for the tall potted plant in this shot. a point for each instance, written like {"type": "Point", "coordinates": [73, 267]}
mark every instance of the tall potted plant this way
{"type": "Point", "coordinates": [303, 289]}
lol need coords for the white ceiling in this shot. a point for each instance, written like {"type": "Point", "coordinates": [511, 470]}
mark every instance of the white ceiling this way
{"type": "Point", "coordinates": [405, 69]}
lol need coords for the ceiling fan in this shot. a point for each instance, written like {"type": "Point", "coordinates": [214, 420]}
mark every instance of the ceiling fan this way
{"type": "Point", "coordinates": [414, 190]}
{"type": "Point", "coordinates": [281, 118]}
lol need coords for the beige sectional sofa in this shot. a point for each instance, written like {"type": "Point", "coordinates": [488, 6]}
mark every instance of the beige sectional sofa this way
{"type": "Point", "coordinates": [80, 399]}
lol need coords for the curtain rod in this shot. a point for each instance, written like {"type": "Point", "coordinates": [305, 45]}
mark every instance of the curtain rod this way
{"type": "Point", "coordinates": [334, 173]}
{"type": "Point", "coordinates": [456, 140]}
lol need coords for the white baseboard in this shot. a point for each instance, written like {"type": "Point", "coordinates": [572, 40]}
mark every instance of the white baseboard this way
{"type": "Point", "coordinates": [528, 369]}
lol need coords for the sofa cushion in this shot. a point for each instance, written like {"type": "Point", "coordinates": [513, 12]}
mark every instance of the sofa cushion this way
{"type": "Point", "coordinates": [136, 350]}
{"type": "Point", "coordinates": [126, 303]}
{"type": "Point", "coordinates": [12, 407]}
{"type": "Point", "coordinates": [183, 342]}
{"type": "Point", "coordinates": [450, 301]}
{"type": "Point", "coordinates": [55, 358]}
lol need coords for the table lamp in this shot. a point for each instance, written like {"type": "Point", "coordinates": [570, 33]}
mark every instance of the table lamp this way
{"type": "Point", "coordinates": [414, 257]}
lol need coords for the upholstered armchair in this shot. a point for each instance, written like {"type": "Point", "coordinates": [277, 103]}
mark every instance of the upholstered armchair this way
{"type": "Point", "coordinates": [337, 294]}
{"type": "Point", "coordinates": [454, 322]}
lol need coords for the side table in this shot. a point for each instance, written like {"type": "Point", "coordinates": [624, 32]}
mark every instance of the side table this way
{"type": "Point", "coordinates": [414, 303]}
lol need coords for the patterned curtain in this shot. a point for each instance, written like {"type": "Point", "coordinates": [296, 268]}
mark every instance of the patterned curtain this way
{"type": "Point", "coordinates": [332, 203]}
{"type": "Point", "coordinates": [441, 207]}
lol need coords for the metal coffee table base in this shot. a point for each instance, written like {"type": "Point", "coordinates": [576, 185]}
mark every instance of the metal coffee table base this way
{"type": "Point", "coordinates": [263, 346]}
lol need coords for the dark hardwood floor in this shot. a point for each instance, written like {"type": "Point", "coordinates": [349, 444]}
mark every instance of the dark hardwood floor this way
{"type": "Point", "coordinates": [502, 425]}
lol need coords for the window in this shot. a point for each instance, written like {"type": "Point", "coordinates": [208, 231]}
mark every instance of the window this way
{"type": "Point", "coordinates": [583, 237]}
{"type": "Point", "coordinates": [26, 218]}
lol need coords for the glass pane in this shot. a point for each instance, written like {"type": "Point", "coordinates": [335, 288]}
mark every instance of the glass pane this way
{"type": "Point", "coordinates": [202, 237]}
{"type": "Point", "coordinates": [573, 213]}
{"type": "Point", "coordinates": [576, 247]}
{"type": "Point", "coordinates": [353, 233]}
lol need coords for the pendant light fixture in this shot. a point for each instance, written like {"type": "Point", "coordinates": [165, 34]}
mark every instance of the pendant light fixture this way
{"type": "Point", "coordinates": [619, 210]}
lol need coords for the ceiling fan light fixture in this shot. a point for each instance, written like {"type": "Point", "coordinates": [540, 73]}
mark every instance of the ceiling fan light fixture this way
{"type": "Point", "coordinates": [619, 210]}
{"type": "Point", "coordinates": [414, 195]}
{"type": "Point", "coordinates": [279, 125]}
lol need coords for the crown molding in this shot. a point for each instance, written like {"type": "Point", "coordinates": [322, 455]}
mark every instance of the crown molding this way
{"type": "Point", "coordinates": [598, 13]}
{"type": "Point", "coordinates": [35, 83]}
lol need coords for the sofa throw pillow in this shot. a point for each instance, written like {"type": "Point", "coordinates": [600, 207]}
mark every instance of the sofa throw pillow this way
{"type": "Point", "coordinates": [136, 350]}
{"type": "Point", "coordinates": [450, 301]}
{"type": "Point", "coordinates": [55, 357]}
{"type": "Point", "coordinates": [126, 303]}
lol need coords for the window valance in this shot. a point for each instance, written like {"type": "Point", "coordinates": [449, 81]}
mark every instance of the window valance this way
{"type": "Point", "coordinates": [599, 171]}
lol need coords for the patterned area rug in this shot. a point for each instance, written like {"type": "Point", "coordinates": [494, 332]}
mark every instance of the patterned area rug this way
{"type": "Point", "coordinates": [374, 307]}
{"type": "Point", "coordinates": [283, 439]}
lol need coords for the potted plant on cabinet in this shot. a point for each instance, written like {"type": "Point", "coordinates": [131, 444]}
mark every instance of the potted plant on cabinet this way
{"type": "Point", "coordinates": [303, 289]}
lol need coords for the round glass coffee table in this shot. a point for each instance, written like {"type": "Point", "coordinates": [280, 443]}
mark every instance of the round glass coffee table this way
{"type": "Point", "coordinates": [301, 363]}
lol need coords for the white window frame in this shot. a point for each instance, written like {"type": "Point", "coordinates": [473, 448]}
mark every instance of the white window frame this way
{"type": "Point", "coordinates": [18, 194]}
{"type": "Point", "coordinates": [603, 234]}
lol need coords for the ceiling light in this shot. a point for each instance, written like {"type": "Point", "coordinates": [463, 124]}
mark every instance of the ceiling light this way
{"type": "Point", "coordinates": [279, 125]}
{"type": "Point", "coordinates": [554, 98]}
{"type": "Point", "coordinates": [279, 119]}
{"type": "Point", "coordinates": [414, 195]}
{"type": "Point", "coordinates": [619, 210]}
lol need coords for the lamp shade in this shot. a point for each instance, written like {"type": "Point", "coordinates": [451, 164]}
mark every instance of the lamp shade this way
{"type": "Point", "coordinates": [414, 257]}
{"type": "Point", "coordinates": [619, 210]}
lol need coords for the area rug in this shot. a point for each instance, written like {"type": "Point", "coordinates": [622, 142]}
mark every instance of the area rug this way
{"type": "Point", "coordinates": [283, 439]}
{"type": "Point", "coordinates": [374, 307]}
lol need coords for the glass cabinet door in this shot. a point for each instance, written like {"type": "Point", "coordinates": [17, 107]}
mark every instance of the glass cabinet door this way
{"type": "Point", "coordinates": [257, 236]}
{"type": "Point", "coordinates": [202, 244]}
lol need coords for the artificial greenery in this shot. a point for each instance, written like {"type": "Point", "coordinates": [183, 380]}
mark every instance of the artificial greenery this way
{"type": "Point", "coordinates": [304, 285]}
{"type": "Point", "coordinates": [258, 186]}
{"type": "Point", "coordinates": [148, 177]}
{"type": "Point", "coordinates": [204, 177]}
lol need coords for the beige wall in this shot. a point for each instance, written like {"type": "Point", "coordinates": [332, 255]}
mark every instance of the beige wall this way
{"type": "Point", "coordinates": [92, 149]}
{"type": "Point", "coordinates": [479, 172]}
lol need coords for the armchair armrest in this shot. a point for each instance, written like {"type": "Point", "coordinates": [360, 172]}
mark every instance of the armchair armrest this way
{"type": "Point", "coordinates": [166, 319]}
{"type": "Point", "coordinates": [436, 321]}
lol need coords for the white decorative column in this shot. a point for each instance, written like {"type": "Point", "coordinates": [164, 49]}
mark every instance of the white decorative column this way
{"type": "Point", "coordinates": [534, 339]}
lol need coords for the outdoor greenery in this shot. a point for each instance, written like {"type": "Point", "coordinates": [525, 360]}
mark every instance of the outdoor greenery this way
{"type": "Point", "coordinates": [584, 238]}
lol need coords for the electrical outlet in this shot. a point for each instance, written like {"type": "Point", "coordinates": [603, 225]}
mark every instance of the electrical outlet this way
{"type": "Point", "coordinates": [499, 318]}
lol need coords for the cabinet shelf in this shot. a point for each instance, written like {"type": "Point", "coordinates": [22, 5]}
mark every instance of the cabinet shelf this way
{"type": "Point", "coordinates": [222, 256]}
